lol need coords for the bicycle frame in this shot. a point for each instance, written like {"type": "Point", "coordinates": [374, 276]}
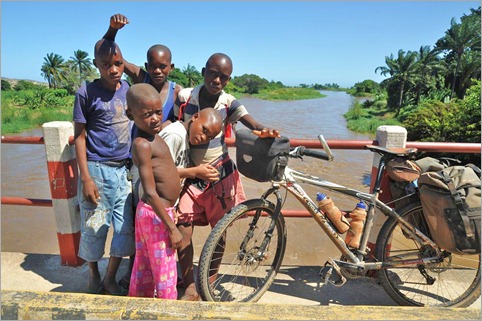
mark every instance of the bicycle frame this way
{"type": "Point", "coordinates": [291, 182]}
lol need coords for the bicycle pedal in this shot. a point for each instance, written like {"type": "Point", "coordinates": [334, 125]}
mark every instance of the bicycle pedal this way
{"type": "Point", "coordinates": [327, 275]}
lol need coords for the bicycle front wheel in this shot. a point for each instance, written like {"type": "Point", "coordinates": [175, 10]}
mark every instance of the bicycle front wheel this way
{"type": "Point", "coordinates": [454, 281]}
{"type": "Point", "coordinates": [243, 253]}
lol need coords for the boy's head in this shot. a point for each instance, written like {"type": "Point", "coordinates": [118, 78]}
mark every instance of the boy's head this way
{"type": "Point", "coordinates": [204, 126]}
{"type": "Point", "coordinates": [159, 64]}
{"type": "Point", "coordinates": [108, 59]}
{"type": "Point", "coordinates": [144, 107]}
{"type": "Point", "coordinates": [217, 73]}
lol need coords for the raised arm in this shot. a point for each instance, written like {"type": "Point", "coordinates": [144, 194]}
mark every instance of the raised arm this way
{"type": "Point", "coordinates": [118, 21]}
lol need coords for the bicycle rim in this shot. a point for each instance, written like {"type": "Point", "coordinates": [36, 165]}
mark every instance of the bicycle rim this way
{"type": "Point", "coordinates": [457, 277]}
{"type": "Point", "coordinates": [243, 275]}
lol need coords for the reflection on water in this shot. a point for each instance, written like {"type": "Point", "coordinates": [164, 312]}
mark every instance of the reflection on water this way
{"type": "Point", "coordinates": [24, 173]}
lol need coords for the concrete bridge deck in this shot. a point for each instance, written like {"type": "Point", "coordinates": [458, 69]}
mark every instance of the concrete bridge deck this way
{"type": "Point", "coordinates": [36, 286]}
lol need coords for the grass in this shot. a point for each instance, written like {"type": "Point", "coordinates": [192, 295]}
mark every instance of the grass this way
{"type": "Point", "coordinates": [367, 120]}
{"type": "Point", "coordinates": [17, 118]}
{"type": "Point", "coordinates": [289, 94]}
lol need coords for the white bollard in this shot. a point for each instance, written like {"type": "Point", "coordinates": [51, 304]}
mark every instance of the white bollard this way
{"type": "Point", "coordinates": [386, 136]}
{"type": "Point", "coordinates": [63, 178]}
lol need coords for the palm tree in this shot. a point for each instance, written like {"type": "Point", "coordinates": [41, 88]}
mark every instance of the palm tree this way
{"type": "Point", "coordinates": [428, 68]}
{"type": "Point", "coordinates": [192, 75]}
{"type": "Point", "coordinates": [402, 71]}
{"type": "Point", "coordinates": [460, 38]}
{"type": "Point", "coordinates": [52, 69]}
{"type": "Point", "coordinates": [81, 63]}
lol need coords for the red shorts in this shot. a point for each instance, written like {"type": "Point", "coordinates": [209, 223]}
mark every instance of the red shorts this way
{"type": "Point", "coordinates": [202, 207]}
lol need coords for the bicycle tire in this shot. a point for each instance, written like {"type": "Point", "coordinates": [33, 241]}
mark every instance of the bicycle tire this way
{"type": "Point", "coordinates": [240, 276]}
{"type": "Point", "coordinates": [457, 277]}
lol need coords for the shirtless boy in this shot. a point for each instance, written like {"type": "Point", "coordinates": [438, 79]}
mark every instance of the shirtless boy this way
{"type": "Point", "coordinates": [154, 273]}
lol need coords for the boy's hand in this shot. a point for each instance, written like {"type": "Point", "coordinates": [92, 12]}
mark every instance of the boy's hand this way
{"type": "Point", "coordinates": [91, 192]}
{"type": "Point", "coordinates": [176, 238]}
{"type": "Point", "coordinates": [208, 173]}
{"type": "Point", "coordinates": [266, 132]}
{"type": "Point", "coordinates": [118, 21]}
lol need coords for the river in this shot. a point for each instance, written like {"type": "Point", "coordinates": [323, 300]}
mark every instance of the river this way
{"type": "Point", "coordinates": [29, 229]}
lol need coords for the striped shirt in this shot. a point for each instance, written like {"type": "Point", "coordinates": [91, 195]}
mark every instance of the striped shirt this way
{"type": "Point", "coordinates": [231, 111]}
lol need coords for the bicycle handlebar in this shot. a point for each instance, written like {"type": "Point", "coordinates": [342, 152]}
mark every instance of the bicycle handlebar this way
{"type": "Point", "coordinates": [302, 151]}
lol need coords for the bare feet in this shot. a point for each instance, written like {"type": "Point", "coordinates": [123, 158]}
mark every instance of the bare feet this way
{"type": "Point", "coordinates": [95, 286]}
{"type": "Point", "coordinates": [190, 294]}
{"type": "Point", "coordinates": [113, 288]}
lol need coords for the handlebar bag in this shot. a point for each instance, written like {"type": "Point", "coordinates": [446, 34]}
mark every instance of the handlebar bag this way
{"type": "Point", "coordinates": [451, 205]}
{"type": "Point", "coordinates": [261, 159]}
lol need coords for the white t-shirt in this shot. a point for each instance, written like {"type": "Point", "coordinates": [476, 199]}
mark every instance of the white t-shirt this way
{"type": "Point", "coordinates": [175, 136]}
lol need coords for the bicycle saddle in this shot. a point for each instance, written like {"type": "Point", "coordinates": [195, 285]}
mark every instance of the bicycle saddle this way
{"type": "Point", "coordinates": [399, 151]}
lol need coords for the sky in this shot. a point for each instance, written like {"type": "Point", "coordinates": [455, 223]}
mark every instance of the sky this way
{"type": "Point", "coordinates": [340, 42]}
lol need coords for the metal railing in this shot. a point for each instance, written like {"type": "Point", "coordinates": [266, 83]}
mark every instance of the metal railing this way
{"type": "Point", "coordinates": [474, 148]}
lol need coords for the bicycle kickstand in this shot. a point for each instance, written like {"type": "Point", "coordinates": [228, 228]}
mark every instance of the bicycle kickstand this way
{"type": "Point", "coordinates": [326, 273]}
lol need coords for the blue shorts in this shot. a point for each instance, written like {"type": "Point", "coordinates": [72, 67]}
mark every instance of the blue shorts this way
{"type": "Point", "coordinates": [115, 207]}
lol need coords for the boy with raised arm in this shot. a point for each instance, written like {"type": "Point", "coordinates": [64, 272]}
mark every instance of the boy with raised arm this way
{"type": "Point", "coordinates": [158, 67]}
{"type": "Point", "coordinates": [154, 272]}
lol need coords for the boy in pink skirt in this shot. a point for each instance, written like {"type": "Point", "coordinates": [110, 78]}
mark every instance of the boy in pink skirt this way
{"type": "Point", "coordinates": [154, 273]}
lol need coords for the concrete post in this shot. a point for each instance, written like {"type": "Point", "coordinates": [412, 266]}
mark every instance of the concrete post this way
{"type": "Point", "coordinates": [63, 178]}
{"type": "Point", "coordinates": [386, 136]}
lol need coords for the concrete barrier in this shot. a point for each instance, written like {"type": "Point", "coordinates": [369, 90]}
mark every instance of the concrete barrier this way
{"type": "Point", "coordinates": [63, 180]}
{"type": "Point", "coordinates": [22, 305]}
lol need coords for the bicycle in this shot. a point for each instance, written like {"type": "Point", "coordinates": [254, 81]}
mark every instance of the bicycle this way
{"type": "Point", "coordinates": [245, 249]}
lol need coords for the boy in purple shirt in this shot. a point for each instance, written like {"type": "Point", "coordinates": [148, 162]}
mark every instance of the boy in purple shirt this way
{"type": "Point", "coordinates": [102, 144]}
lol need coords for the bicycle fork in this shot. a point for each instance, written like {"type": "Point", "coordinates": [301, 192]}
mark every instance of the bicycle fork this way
{"type": "Point", "coordinates": [260, 255]}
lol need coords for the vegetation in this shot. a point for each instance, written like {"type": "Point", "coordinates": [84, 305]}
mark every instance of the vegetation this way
{"type": "Point", "coordinates": [28, 108]}
{"type": "Point", "coordinates": [289, 94]}
{"type": "Point", "coordinates": [434, 92]}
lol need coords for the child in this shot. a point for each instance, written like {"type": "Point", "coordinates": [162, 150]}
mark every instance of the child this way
{"type": "Point", "coordinates": [154, 272]}
{"type": "Point", "coordinates": [200, 129]}
{"type": "Point", "coordinates": [200, 202]}
{"type": "Point", "coordinates": [102, 143]}
{"type": "Point", "coordinates": [158, 67]}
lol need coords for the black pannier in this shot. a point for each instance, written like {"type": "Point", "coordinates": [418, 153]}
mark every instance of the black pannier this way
{"type": "Point", "coordinates": [261, 159]}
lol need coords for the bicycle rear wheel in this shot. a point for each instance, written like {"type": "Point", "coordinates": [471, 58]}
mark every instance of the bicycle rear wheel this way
{"type": "Point", "coordinates": [232, 266]}
{"type": "Point", "coordinates": [454, 282]}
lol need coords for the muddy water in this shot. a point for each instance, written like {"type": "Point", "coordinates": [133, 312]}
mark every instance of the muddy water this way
{"type": "Point", "coordinates": [33, 229]}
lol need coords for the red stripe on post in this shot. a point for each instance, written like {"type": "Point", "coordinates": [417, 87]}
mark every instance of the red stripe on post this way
{"type": "Point", "coordinates": [69, 245]}
{"type": "Point", "coordinates": [63, 179]}
{"type": "Point", "coordinates": [385, 194]}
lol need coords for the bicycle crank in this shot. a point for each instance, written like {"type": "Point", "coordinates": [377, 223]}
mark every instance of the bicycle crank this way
{"type": "Point", "coordinates": [330, 272]}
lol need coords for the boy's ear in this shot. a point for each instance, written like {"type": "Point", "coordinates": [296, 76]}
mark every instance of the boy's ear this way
{"type": "Point", "coordinates": [93, 62]}
{"type": "Point", "coordinates": [145, 66]}
{"type": "Point", "coordinates": [129, 114]}
{"type": "Point", "coordinates": [202, 71]}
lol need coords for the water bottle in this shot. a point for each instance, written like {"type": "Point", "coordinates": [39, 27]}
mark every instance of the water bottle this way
{"type": "Point", "coordinates": [326, 205]}
{"type": "Point", "coordinates": [358, 217]}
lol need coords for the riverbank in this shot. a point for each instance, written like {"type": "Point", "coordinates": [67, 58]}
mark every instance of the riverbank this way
{"type": "Point", "coordinates": [28, 109]}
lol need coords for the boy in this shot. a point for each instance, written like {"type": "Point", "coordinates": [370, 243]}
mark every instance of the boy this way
{"type": "Point", "coordinates": [158, 67]}
{"type": "Point", "coordinates": [154, 272]}
{"type": "Point", "coordinates": [200, 202]}
{"type": "Point", "coordinates": [200, 129]}
{"type": "Point", "coordinates": [102, 143]}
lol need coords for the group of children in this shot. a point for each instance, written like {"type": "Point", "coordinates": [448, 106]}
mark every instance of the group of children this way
{"type": "Point", "coordinates": [182, 175]}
